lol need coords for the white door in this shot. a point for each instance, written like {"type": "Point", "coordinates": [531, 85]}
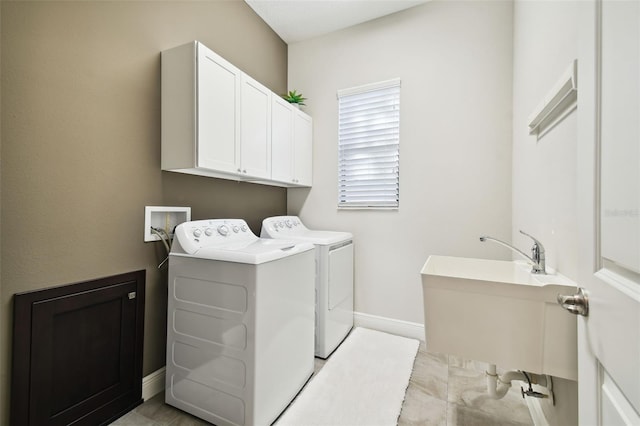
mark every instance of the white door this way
{"type": "Point", "coordinates": [609, 206]}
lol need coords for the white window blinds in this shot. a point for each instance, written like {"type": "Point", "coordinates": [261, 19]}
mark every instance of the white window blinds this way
{"type": "Point", "coordinates": [369, 145]}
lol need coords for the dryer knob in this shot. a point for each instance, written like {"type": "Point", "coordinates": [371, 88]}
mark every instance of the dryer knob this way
{"type": "Point", "coordinates": [208, 232]}
{"type": "Point", "coordinates": [223, 230]}
{"type": "Point", "coordinates": [235, 228]}
{"type": "Point", "coordinates": [288, 223]}
{"type": "Point", "coordinates": [197, 233]}
{"type": "Point", "coordinates": [243, 228]}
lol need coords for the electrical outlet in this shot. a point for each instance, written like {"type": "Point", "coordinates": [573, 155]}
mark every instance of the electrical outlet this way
{"type": "Point", "coordinates": [166, 218]}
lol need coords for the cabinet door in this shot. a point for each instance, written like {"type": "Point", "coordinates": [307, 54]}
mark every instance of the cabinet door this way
{"type": "Point", "coordinates": [218, 99]}
{"type": "Point", "coordinates": [281, 140]}
{"type": "Point", "coordinates": [77, 355]}
{"type": "Point", "coordinates": [302, 148]}
{"type": "Point", "coordinates": [255, 132]}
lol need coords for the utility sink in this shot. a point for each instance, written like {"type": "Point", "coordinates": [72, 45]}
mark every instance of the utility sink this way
{"type": "Point", "coordinates": [500, 313]}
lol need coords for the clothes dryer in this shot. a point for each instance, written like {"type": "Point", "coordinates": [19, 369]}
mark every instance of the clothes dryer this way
{"type": "Point", "coordinates": [333, 278]}
{"type": "Point", "coordinates": [240, 326]}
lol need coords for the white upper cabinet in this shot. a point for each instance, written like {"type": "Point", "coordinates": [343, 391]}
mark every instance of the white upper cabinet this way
{"type": "Point", "coordinates": [200, 111]}
{"type": "Point", "coordinates": [302, 148]}
{"type": "Point", "coordinates": [291, 136]}
{"type": "Point", "coordinates": [217, 121]}
{"type": "Point", "coordinates": [281, 140]}
{"type": "Point", "coordinates": [255, 129]}
{"type": "Point", "coordinates": [218, 97]}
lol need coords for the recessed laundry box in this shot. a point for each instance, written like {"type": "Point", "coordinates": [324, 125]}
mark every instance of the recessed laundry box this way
{"type": "Point", "coordinates": [240, 326]}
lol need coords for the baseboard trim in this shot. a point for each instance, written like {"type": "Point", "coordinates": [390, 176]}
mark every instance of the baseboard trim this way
{"type": "Point", "coordinates": [412, 330]}
{"type": "Point", "coordinates": [153, 384]}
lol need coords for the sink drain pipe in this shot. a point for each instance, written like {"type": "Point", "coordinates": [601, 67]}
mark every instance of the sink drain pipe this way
{"type": "Point", "coordinates": [498, 386]}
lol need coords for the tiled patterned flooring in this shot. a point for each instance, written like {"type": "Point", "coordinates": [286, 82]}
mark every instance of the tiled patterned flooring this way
{"type": "Point", "coordinates": [446, 390]}
{"type": "Point", "coordinates": [443, 391]}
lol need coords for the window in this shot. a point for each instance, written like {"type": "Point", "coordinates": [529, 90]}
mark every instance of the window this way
{"type": "Point", "coordinates": [369, 145]}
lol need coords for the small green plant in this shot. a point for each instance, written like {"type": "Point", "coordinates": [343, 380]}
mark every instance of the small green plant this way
{"type": "Point", "coordinates": [294, 98]}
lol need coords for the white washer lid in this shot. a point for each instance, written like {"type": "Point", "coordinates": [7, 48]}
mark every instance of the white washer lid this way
{"type": "Point", "coordinates": [291, 228]}
{"type": "Point", "coordinates": [323, 238]}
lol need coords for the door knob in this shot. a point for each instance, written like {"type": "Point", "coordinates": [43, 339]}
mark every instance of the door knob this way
{"type": "Point", "coordinates": [577, 304]}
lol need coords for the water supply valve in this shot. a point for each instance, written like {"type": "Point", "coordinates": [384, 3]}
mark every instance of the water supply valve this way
{"type": "Point", "coordinates": [532, 393]}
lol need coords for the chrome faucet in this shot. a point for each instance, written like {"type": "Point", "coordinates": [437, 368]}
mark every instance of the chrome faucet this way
{"type": "Point", "coordinates": [537, 253]}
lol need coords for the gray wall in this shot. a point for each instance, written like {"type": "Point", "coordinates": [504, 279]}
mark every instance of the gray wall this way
{"type": "Point", "coordinates": [81, 143]}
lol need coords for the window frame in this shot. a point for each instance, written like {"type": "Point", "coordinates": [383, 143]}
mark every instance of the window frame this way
{"type": "Point", "coordinates": [394, 115]}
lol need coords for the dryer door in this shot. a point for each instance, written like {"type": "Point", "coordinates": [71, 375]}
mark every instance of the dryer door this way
{"type": "Point", "coordinates": [340, 275]}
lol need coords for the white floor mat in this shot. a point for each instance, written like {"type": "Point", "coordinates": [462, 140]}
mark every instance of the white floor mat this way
{"type": "Point", "coordinates": [362, 384]}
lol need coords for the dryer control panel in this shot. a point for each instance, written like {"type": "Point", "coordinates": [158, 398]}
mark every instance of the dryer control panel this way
{"type": "Point", "coordinates": [197, 234]}
{"type": "Point", "coordinates": [284, 224]}
{"type": "Point", "coordinates": [291, 227]}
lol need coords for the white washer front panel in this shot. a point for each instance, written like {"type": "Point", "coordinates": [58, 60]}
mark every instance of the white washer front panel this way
{"type": "Point", "coordinates": [340, 275]}
{"type": "Point", "coordinates": [334, 277]}
{"type": "Point", "coordinates": [240, 336]}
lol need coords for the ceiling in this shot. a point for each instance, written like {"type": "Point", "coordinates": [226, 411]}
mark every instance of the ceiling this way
{"type": "Point", "coordinates": [298, 20]}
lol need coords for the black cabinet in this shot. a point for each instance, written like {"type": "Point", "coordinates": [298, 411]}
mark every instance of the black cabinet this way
{"type": "Point", "coordinates": [77, 352]}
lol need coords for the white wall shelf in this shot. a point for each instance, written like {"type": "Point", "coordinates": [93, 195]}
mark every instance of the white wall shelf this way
{"type": "Point", "coordinates": [560, 101]}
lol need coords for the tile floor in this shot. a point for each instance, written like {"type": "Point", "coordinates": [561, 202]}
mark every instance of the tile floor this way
{"type": "Point", "coordinates": [444, 390]}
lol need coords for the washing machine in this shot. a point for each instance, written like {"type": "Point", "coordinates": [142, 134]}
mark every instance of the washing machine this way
{"type": "Point", "coordinates": [333, 278]}
{"type": "Point", "coordinates": [240, 325]}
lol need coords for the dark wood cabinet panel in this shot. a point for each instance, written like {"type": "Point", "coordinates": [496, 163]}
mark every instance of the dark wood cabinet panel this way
{"type": "Point", "coordinates": [77, 352]}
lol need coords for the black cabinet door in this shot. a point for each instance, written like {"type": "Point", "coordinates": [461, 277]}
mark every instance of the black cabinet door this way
{"type": "Point", "coordinates": [83, 353]}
